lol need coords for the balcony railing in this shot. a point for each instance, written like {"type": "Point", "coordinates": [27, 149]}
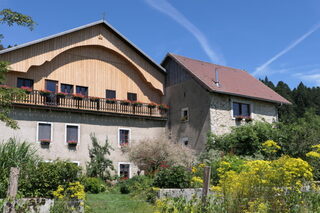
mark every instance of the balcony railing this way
{"type": "Point", "coordinates": [90, 104]}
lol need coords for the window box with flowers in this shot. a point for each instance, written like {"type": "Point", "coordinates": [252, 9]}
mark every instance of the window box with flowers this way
{"type": "Point", "coordinates": [152, 105]}
{"type": "Point", "coordinates": [61, 94]}
{"type": "Point", "coordinates": [44, 93]}
{"type": "Point", "coordinates": [111, 101]}
{"type": "Point", "coordinates": [72, 143]}
{"type": "Point", "coordinates": [4, 86]}
{"type": "Point", "coordinates": [163, 107]}
{"type": "Point", "coordinates": [137, 104]}
{"type": "Point", "coordinates": [45, 141]}
{"type": "Point", "coordinates": [125, 102]}
{"type": "Point", "coordinates": [78, 96]}
{"type": "Point", "coordinates": [27, 90]}
{"type": "Point", "coordinates": [94, 99]}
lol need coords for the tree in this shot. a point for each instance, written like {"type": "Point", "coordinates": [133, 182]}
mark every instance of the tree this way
{"type": "Point", "coordinates": [149, 154]}
{"type": "Point", "coordinates": [99, 165]}
{"type": "Point", "coordinates": [10, 18]}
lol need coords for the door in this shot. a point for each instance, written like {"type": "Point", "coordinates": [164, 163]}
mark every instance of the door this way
{"type": "Point", "coordinates": [51, 86]}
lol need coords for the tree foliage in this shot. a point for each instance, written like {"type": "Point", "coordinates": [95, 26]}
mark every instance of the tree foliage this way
{"type": "Point", "coordinates": [303, 98]}
{"type": "Point", "coordinates": [99, 165]}
{"type": "Point", "coordinates": [10, 18]}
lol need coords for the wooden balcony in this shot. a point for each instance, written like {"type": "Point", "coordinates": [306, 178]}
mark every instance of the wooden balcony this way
{"type": "Point", "coordinates": [89, 104]}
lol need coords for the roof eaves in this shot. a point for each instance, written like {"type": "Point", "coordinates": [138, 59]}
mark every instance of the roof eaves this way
{"type": "Point", "coordinates": [80, 28]}
{"type": "Point", "coordinates": [218, 91]}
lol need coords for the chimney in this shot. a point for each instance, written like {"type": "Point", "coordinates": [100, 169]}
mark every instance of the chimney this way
{"type": "Point", "coordinates": [216, 79]}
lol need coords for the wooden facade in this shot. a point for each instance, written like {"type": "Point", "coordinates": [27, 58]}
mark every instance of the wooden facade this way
{"type": "Point", "coordinates": [95, 57]}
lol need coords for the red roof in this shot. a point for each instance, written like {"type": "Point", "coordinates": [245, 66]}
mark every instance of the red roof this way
{"type": "Point", "coordinates": [231, 81]}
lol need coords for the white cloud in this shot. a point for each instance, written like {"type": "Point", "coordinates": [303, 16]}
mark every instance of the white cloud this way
{"type": "Point", "coordinates": [264, 66]}
{"type": "Point", "coordinates": [165, 7]}
{"type": "Point", "coordinates": [310, 76]}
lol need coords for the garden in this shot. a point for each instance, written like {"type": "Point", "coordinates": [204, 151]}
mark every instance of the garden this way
{"type": "Point", "coordinates": [257, 167]}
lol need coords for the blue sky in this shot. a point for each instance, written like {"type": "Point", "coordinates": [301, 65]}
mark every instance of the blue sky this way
{"type": "Point", "coordinates": [280, 39]}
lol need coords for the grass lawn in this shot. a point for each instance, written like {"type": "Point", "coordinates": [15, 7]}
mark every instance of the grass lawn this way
{"type": "Point", "coordinates": [117, 203]}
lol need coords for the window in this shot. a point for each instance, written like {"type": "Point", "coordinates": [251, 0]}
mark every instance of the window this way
{"type": "Point", "coordinates": [241, 109]}
{"type": "Point", "coordinates": [110, 94]}
{"type": "Point", "coordinates": [52, 85]}
{"type": "Point", "coordinates": [67, 88]}
{"type": "Point", "coordinates": [44, 132]}
{"type": "Point", "coordinates": [185, 141]}
{"type": "Point", "coordinates": [132, 96]}
{"type": "Point", "coordinates": [124, 137]}
{"type": "Point", "coordinates": [185, 114]}
{"type": "Point", "coordinates": [124, 170]}
{"type": "Point", "coordinates": [82, 90]}
{"type": "Point", "coordinates": [23, 82]}
{"type": "Point", "coordinates": [72, 133]}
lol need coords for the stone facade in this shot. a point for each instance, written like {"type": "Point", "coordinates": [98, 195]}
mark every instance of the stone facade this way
{"type": "Point", "coordinates": [102, 126]}
{"type": "Point", "coordinates": [221, 114]}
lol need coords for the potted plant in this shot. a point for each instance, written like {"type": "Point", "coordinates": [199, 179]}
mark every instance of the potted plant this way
{"type": "Point", "coordinates": [45, 141]}
{"type": "Point", "coordinates": [28, 90]}
{"type": "Point", "coordinates": [61, 94]}
{"type": "Point", "coordinates": [137, 103]}
{"type": "Point", "coordinates": [110, 100]}
{"type": "Point", "coordinates": [125, 102]}
{"type": "Point", "coordinates": [248, 119]}
{"type": "Point", "coordinates": [94, 99]}
{"type": "Point", "coordinates": [44, 93]}
{"type": "Point", "coordinates": [78, 96]}
{"type": "Point", "coordinates": [239, 117]}
{"type": "Point", "coordinates": [163, 107]}
{"type": "Point", "coordinates": [152, 105]}
{"type": "Point", "coordinates": [72, 143]}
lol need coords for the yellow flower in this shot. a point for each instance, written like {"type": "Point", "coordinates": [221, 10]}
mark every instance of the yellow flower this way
{"type": "Point", "coordinates": [194, 170]}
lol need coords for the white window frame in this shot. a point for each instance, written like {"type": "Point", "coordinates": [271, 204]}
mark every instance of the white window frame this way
{"type": "Point", "coordinates": [130, 165]}
{"type": "Point", "coordinates": [241, 102]}
{"type": "Point", "coordinates": [129, 142]}
{"type": "Point", "coordinates": [65, 132]}
{"type": "Point", "coordinates": [182, 114]}
{"type": "Point", "coordinates": [37, 133]}
{"type": "Point", "coordinates": [75, 162]}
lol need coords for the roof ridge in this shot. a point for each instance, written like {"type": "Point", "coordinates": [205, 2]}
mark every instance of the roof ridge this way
{"type": "Point", "coordinates": [173, 54]}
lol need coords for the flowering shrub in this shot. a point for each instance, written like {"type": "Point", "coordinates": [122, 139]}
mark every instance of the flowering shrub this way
{"type": "Point", "coordinates": [272, 181]}
{"type": "Point", "coordinates": [316, 153]}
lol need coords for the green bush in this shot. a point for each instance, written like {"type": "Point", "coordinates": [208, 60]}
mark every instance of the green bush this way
{"type": "Point", "coordinates": [42, 179]}
{"type": "Point", "coordinates": [14, 153]}
{"type": "Point", "coordinates": [173, 177]}
{"type": "Point", "coordinates": [136, 185]}
{"type": "Point", "coordinates": [93, 185]}
{"type": "Point", "coordinates": [244, 139]}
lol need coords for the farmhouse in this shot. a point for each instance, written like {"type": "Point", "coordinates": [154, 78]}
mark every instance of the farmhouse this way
{"type": "Point", "coordinates": [93, 80]}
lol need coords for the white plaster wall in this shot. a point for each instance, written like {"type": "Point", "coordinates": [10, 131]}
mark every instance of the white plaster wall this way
{"type": "Point", "coordinates": [103, 127]}
{"type": "Point", "coordinates": [221, 119]}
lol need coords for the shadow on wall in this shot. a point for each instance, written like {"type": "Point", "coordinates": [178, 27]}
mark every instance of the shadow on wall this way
{"type": "Point", "coordinates": [99, 53]}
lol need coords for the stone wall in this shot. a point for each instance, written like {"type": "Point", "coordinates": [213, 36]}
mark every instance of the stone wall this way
{"type": "Point", "coordinates": [221, 118]}
{"type": "Point", "coordinates": [102, 126]}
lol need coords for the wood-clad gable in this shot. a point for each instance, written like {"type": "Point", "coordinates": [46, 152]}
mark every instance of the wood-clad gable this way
{"type": "Point", "coordinates": [94, 57]}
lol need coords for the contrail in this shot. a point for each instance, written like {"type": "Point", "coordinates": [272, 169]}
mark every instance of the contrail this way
{"type": "Point", "coordinates": [287, 49]}
{"type": "Point", "coordinates": [166, 8]}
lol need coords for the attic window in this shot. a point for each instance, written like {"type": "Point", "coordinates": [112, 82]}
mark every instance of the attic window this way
{"type": "Point", "coordinates": [185, 114]}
